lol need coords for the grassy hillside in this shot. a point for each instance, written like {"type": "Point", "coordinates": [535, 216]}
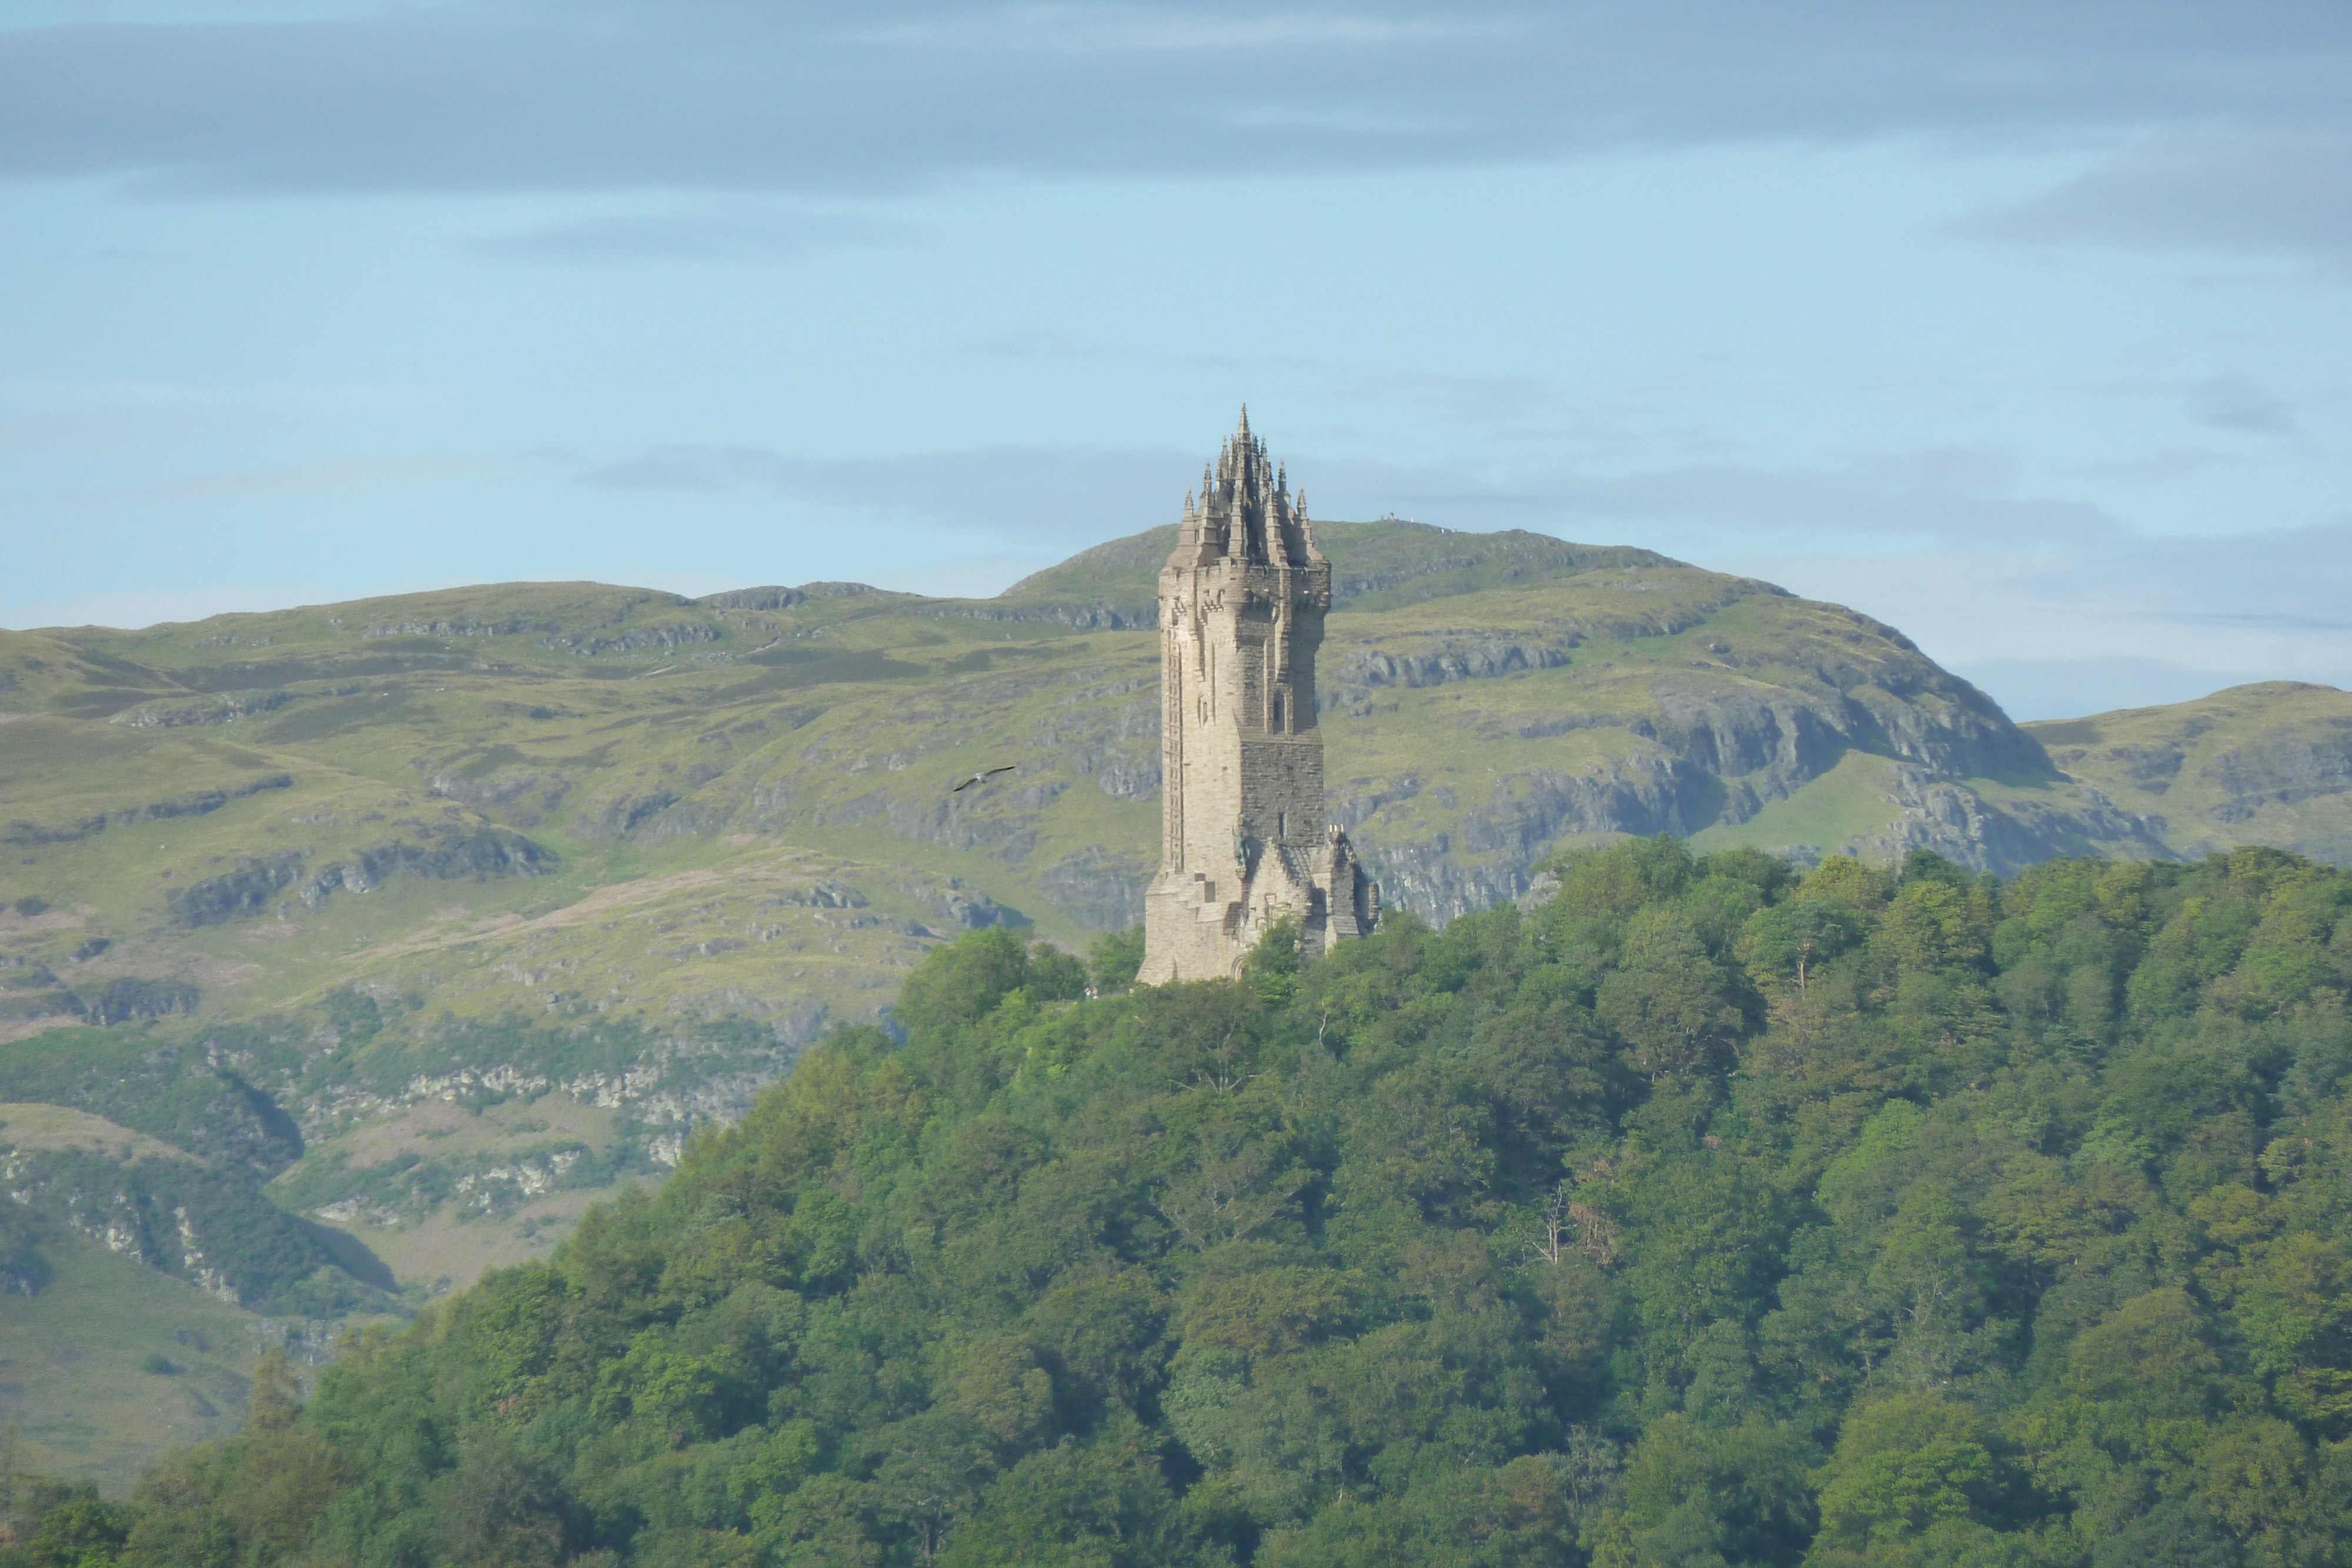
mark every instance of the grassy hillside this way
{"type": "Point", "coordinates": [2264, 764]}
{"type": "Point", "coordinates": [111, 1365]}
{"type": "Point", "coordinates": [627, 732]}
{"type": "Point", "coordinates": [540, 850]}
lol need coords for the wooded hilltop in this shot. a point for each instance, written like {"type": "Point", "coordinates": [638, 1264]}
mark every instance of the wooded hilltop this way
{"type": "Point", "coordinates": [1703, 1213]}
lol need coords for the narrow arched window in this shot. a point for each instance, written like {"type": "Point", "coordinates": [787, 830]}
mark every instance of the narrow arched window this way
{"type": "Point", "coordinates": [1274, 722]}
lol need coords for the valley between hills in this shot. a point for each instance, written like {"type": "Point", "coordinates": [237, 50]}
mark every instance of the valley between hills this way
{"type": "Point", "coordinates": [349, 950]}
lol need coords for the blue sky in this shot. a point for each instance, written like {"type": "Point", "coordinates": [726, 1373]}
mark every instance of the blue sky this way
{"type": "Point", "coordinates": [2022, 327]}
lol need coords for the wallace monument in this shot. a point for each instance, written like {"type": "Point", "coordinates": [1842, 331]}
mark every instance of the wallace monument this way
{"type": "Point", "coordinates": [1243, 844]}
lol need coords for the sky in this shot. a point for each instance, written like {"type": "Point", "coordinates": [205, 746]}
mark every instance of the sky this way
{"type": "Point", "coordinates": [2025, 326]}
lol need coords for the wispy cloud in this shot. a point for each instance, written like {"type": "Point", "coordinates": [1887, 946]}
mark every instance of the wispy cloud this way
{"type": "Point", "coordinates": [1879, 503]}
{"type": "Point", "coordinates": [79, 431]}
{"type": "Point", "coordinates": [711, 95]}
{"type": "Point", "coordinates": [131, 608]}
{"type": "Point", "coordinates": [1955, 546]}
{"type": "Point", "coordinates": [1071, 29]}
{"type": "Point", "coordinates": [735, 234]}
{"type": "Point", "coordinates": [331, 476]}
{"type": "Point", "coordinates": [2074, 688]}
{"type": "Point", "coordinates": [1049, 499]}
{"type": "Point", "coordinates": [2246, 189]}
{"type": "Point", "coordinates": [2233, 402]}
{"type": "Point", "coordinates": [2269, 602]}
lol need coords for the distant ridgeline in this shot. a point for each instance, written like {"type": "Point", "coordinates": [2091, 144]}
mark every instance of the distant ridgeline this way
{"type": "Point", "coordinates": [1705, 1212]}
{"type": "Point", "coordinates": [1483, 699]}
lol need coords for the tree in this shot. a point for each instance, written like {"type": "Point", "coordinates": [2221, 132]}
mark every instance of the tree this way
{"type": "Point", "coordinates": [1669, 1002]}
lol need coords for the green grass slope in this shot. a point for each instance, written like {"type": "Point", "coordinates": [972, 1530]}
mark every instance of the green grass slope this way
{"type": "Point", "coordinates": [111, 1365]}
{"type": "Point", "coordinates": [2264, 764]}
{"type": "Point", "coordinates": [1374, 566]}
{"type": "Point", "coordinates": [580, 847]}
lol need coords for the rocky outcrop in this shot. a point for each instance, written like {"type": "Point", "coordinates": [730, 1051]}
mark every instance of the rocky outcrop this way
{"type": "Point", "coordinates": [517, 793]}
{"type": "Point", "coordinates": [220, 707]}
{"type": "Point", "coordinates": [1351, 679]}
{"type": "Point", "coordinates": [128, 997]}
{"type": "Point", "coordinates": [774, 597]}
{"type": "Point", "coordinates": [211, 1228]}
{"type": "Point", "coordinates": [1118, 748]}
{"type": "Point", "coordinates": [247, 890]}
{"type": "Point", "coordinates": [1782, 739]}
{"type": "Point", "coordinates": [669, 634]}
{"type": "Point", "coordinates": [624, 814]}
{"type": "Point", "coordinates": [1100, 891]}
{"type": "Point", "coordinates": [2298, 765]}
{"type": "Point", "coordinates": [454, 850]}
{"type": "Point", "coordinates": [451, 851]}
{"type": "Point", "coordinates": [960, 907]}
{"type": "Point", "coordinates": [1083, 617]}
{"type": "Point", "coordinates": [505, 628]}
{"type": "Point", "coordinates": [1933, 813]}
{"type": "Point", "coordinates": [201, 803]}
{"type": "Point", "coordinates": [1490, 854]}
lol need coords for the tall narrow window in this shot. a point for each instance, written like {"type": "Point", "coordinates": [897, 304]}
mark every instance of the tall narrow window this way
{"type": "Point", "coordinates": [1275, 721]}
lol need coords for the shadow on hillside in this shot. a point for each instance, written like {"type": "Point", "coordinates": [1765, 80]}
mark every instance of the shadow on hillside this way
{"type": "Point", "coordinates": [351, 1254]}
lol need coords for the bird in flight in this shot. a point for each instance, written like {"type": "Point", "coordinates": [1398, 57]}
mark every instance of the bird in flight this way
{"type": "Point", "coordinates": [982, 776]}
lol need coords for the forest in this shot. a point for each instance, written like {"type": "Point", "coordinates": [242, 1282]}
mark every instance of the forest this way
{"type": "Point", "coordinates": [1707, 1211]}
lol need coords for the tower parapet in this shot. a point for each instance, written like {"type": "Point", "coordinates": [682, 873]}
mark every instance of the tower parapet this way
{"type": "Point", "coordinates": [1243, 842]}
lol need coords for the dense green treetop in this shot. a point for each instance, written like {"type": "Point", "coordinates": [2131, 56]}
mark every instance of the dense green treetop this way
{"type": "Point", "coordinates": [1709, 1213]}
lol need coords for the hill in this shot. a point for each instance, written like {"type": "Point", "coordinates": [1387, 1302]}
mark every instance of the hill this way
{"type": "Point", "coordinates": [1616, 692]}
{"type": "Point", "coordinates": [494, 893]}
{"type": "Point", "coordinates": [2264, 764]}
{"type": "Point", "coordinates": [1703, 1212]}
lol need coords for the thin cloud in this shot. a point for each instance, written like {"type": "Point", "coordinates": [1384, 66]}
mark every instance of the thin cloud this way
{"type": "Point", "coordinates": [2233, 402]}
{"type": "Point", "coordinates": [81, 431]}
{"type": "Point", "coordinates": [133, 608]}
{"type": "Point", "coordinates": [332, 477]}
{"type": "Point", "coordinates": [2269, 600]}
{"type": "Point", "coordinates": [1120, 29]}
{"type": "Point", "coordinates": [1049, 498]}
{"type": "Point", "coordinates": [2258, 620]}
{"type": "Point", "coordinates": [2246, 190]}
{"type": "Point", "coordinates": [1893, 501]}
{"type": "Point", "coordinates": [611, 95]}
{"type": "Point", "coordinates": [2074, 688]}
{"type": "Point", "coordinates": [725, 236]}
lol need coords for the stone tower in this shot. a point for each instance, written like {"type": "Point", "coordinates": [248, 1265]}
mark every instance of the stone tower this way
{"type": "Point", "coordinates": [1244, 843]}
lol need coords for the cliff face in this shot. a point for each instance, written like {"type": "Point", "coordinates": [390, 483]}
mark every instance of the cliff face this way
{"type": "Point", "coordinates": [2264, 764]}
